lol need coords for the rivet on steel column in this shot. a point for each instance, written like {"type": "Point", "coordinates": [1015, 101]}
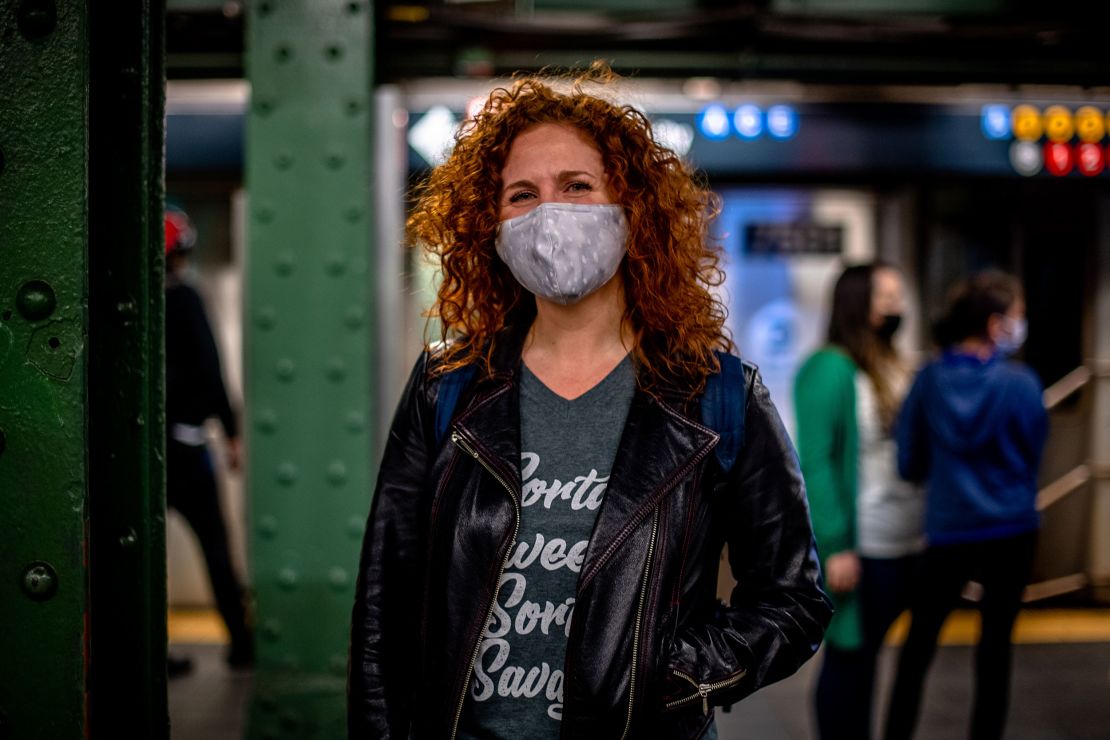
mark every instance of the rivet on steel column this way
{"type": "Point", "coordinates": [40, 581]}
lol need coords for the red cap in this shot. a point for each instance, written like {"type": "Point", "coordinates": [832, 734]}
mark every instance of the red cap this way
{"type": "Point", "coordinates": [180, 233]}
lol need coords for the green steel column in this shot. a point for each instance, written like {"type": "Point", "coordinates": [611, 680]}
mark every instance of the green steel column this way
{"type": "Point", "coordinates": [307, 327]}
{"type": "Point", "coordinates": [82, 554]}
{"type": "Point", "coordinates": [127, 565]}
{"type": "Point", "coordinates": [43, 365]}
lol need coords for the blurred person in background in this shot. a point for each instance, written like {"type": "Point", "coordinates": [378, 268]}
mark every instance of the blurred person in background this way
{"type": "Point", "coordinates": [577, 476]}
{"type": "Point", "coordinates": [866, 519]}
{"type": "Point", "coordinates": [195, 392]}
{"type": "Point", "coordinates": [972, 429]}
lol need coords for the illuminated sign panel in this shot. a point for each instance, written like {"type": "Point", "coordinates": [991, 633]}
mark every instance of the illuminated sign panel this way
{"type": "Point", "coordinates": [782, 121]}
{"type": "Point", "coordinates": [713, 122]}
{"type": "Point", "coordinates": [763, 239]}
{"type": "Point", "coordinates": [748, 121]}
{"type": "Point", "coordinates": [996, 122]}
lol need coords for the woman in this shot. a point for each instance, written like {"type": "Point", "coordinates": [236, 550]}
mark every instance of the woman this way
{"type": "Point", "coordinates": [973, 429]}
{"type": "Point", "coordinates": [867, 521]}
{"type": "Point", "coordinates": [575, 480]}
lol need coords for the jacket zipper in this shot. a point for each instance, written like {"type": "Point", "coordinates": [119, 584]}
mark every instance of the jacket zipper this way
{"type": "Point", "coordinates": [461, 442]}
{"type": "Point", "coordinates": [704, 689]}
{"type": "Point", "coordinates": [639, 620]}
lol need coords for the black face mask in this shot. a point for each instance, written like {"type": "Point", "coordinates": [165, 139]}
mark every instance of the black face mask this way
{"type": "Point", "coordinates": [889, 327]}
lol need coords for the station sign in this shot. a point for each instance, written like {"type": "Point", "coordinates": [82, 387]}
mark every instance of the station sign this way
{"type": "Point", "coordinates": [791, 239]}
{"type": "Point", "coordinates": [1090, 158]}
{"type": "Point", "coordinates": [747, 122]}
{"type": "Point", "coordinates": [1025, 156]}
{"type": "Point", "coordinates": [1058, 158]}
{"type": "Point", "coordinates": [1027, 123]}
{"type": "Point", "coordinates": [713, 122]}
{"type": "Point", "coordinates": [1057, 126]}
{"type": "Point", "coordinates": [1090, 124]}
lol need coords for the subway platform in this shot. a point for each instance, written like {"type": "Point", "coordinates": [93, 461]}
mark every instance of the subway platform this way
{"type": "Point", "coordinates": [1060, 690]}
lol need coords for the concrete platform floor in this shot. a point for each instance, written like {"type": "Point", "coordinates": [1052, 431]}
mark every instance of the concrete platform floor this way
{"type": "Point", "coordinates": [1060, 692]}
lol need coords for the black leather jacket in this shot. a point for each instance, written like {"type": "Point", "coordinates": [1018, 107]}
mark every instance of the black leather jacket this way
{"type": "Point", "coordinates": [650, 648]}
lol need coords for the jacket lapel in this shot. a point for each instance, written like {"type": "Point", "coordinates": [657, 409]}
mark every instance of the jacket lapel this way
{"type": "Point", "coordinates": [491, 422]}
{"type": "Point", "coordinates": [658, 448]}
{"type": "Point", "coordinates": [492, 425]}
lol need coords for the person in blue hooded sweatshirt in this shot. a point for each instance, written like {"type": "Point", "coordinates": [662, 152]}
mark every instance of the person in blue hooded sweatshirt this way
{"type": "Point", "coordinates": [972, 429]}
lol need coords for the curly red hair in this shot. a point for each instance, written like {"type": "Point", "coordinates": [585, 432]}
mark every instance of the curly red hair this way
{"type": "Point", "coordinates": [671, 265]}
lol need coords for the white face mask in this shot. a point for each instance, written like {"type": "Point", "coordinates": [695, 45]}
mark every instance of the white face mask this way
{"type": "Point", "coordinates": [564, 251]}
{"type": "Point", "coordinates": [1016, 331]}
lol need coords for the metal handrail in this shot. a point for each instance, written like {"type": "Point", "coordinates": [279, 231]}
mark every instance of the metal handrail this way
{"type": "Point", "coordinates": [1062, 486]}
{"type": "Point", "coordinates": [1066, 386]}
{"type": "Point", "coordinates": [1066, 484]}
{"type": "Point", "coordinates": [1072, 480]}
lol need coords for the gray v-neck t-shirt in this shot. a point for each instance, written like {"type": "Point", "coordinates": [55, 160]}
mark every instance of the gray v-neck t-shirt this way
{"type": "Point", "coordinates": [568, 447]}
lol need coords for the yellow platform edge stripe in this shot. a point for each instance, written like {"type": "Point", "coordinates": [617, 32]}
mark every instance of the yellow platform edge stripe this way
{"type": "Point", "coordinates": [197, 627]}
{"type": "Point", "coordinates": [1041, 626]}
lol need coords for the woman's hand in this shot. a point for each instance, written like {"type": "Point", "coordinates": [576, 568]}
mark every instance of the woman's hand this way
{"type": "Point", "coordinates": [842, 571]}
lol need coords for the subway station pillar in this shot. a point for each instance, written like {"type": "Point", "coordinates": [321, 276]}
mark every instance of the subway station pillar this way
{"type": "Point", "coordinates": [43, 461]}
{"type": "Point", "coordinates": [308, 328]}
{"type": "Point", "coordinates": [82, 549]}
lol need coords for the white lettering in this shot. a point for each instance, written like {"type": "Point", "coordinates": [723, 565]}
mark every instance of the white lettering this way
{"type": "Point", "coordinates": [532, 614]}
{"type": "Point", "coordinates": [510, 681]}
{"type": "Point", "coordinates": [499, 620]}
{"type": "Point", "coordinates": [583, 492]}
{"type": "Point", "coordinates": [593, 495]}
{"type": "Point", "coordinates": [558, 490]}
{"type": "Point", "coordinates": [514, 613]}
{"type": "Point", "coordinates": [555, 694]}
{"type": "Point", "coordinates": [552, 554]}
{"type": "Point", "coordinates": [529, 461]}
{"type": "Point", "coordinates": [481, 688]}
{"type": "Point", "coordinates": [515, 681]}
{"type": "Point", "coordinates": [523, 557]}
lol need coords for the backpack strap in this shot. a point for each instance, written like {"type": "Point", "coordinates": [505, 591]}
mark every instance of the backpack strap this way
{"type": "Point", "coordinates": [723, 405]}
{"type": "Point", "coordinates": [451, 386]}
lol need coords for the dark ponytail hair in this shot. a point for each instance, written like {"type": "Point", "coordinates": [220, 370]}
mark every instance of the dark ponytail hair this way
{"type": "Point", "coordinates": [972, 302]}
{"type": "Point", "coordinates": [850, 329]}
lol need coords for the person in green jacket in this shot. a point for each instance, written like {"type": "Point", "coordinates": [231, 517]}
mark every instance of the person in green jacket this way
{"type": "Point", "coordinates": [866, 520]}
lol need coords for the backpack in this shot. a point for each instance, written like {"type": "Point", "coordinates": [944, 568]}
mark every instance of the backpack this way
{"type": "Point", "coordinates": [723, 404]}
